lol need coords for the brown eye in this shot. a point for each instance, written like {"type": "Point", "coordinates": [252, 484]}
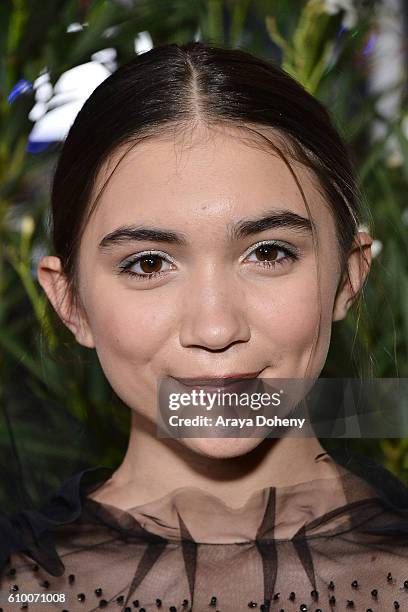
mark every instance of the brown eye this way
{"type": "Point", "coordinates": [150, 263]}
{"type": "Point", "coordinates": [272, 254]}
{"type": "Point", "coordinates": [145, 266]}
{"type": "Point", "coordinates": [267, 252]}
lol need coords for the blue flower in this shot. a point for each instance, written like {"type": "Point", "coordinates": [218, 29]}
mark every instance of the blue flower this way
{"type": "Point", "coordinates": [370, 44]}
{"type": "Point", "coordinates": [21, 87]}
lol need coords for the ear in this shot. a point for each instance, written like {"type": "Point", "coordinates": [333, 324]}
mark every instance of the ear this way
{"type": "Point", "coordinates": [54, 282]}
{"type": "Point", "coordinates": [358, 265]}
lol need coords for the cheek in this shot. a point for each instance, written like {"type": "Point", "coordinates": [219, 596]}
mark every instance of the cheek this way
{"type": "Point", "coordinates": [130, 329]}
{"type": "Point", "coordinates": [286, 316]}
{"type": "Point", "coordinates": [287, 309]}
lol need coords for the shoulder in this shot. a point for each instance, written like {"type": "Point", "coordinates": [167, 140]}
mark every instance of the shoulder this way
{"type": "Point", "coordinates": [390, 489]}
{"type": "Point", "coordinates": [30, 532]}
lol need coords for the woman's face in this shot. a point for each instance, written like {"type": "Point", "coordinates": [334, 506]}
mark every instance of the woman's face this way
{"type": "Point", "coordinates": [207, 299]}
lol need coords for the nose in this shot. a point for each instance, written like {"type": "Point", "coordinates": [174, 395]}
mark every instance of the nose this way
{"type": "Point", "coordinates": [214, 315]}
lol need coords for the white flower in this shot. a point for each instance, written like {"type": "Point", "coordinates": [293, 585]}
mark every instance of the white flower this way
{"type": "Point", "coordinates": [76, 27]}
{"type": "Point", "coordinates": [43, 87]}
{"type": "Point", "coordinates": [27, 225]}
{"type": "Point", "coordinates": [395, 159]}
{"type": "Point", "coordinates": [43, 93]}
{"type": "Point", "coordinates": [350, 20]}
{"type": "Point", "coordinates": [404, 126]}
{"type": "Point", "coordinates": [364, 228]}
{"type": "Point", "coordinates": [55, 109]}
{"type": "Point", "coordinates": [393, 155]}
{"type": "Point", "coordinates": [332, 7]}
{"type": "Point", "coordinates": [111, 31]}
{"type": "Point", "coordinates": [107, 57]}
{"type": "Point", "coordinates": [143, 42]}
{"type": "Point", "coordinates": [376, 247]}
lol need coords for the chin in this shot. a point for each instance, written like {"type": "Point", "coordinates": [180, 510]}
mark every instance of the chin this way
{"type": "Point", "coordinates": [221, 448]}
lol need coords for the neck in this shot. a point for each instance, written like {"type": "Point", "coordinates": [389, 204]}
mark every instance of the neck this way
{"type": "Point", "coordinates": [154, 467]}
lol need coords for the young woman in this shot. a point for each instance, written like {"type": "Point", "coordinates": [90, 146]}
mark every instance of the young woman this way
{"type": "Point", "coordinates": [205, 226]}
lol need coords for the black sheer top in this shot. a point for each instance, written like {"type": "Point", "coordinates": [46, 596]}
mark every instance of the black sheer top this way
{"type": "Point", "coordinates": [326, 545]}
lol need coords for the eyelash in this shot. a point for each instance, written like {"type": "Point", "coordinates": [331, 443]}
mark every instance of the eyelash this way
{"type": "Point", "coordinates": [124, 267]}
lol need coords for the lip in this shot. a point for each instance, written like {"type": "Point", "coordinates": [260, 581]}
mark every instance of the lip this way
{"type": "Point", "coordinates": [214, 381]}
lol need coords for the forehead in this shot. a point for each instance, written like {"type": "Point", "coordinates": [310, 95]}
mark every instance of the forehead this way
{"type": "Point", "coordinates": [201, 177]}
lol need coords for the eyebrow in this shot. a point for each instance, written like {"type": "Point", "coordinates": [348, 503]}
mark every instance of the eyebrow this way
{"type": "Point", "coordinates": [246, 227]}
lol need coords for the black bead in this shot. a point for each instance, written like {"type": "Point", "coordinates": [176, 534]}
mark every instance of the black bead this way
{"type": "Point", "coordinates": [292, 595]}
{"type": "Point", "coordinates": [252, 604]}
{"type": "Point", "coordinates": [303, 608]}
{"type": "Point", "coordinates": [374, 593]}
{"type": "Point", "coordinates": [12, 572]}
{"type": "Point", "coordinates": [185, 603]}
{"type": "Point", "coordinates": [314, 594]}
{"type": "Point", "coordinates": [98, 592]}
{"type": "Point", "coordinates": [81, 597]}
{"type": "Point", "coordinates": [24, 606]}
{"type": "Point", "coordinates": [405, 584]}
{"type": "Point", "coordinates": [127, 609]}
{"type": "Point", "coordinates": [14, 588]}
{"type": "Point", "coordinates": [354, 584]}
{"type": "Point", "coordinates": [318, 610]}
{"type": "Point", "coordinates": [396, 605]}
{"type": "Point", "coordinates": [103, 603]}
{"type": "Point", "coordinates": [173, 609]}
{"type": "Point", "coordinates": [276, 596]}
{"type": "Point", "coordinates": [213, 601]}
{"type": "Point", "coordinates": [389, 576]}
{"type": "Point", "coordinates": [369, 610]}
{"type": "Point", "coordinates": [350, 603]}
{"type": "Point", "coordinates": [71, 578]}
{"type": "Point", "coordinates": [142, 610]}
{"type": "Point", "coordinates": [332, 600]}
{"type": "Point", "coordinates": [136, 603]}
{"type": "Point", "coordinates": [45, 584]}
{"type": "Point", "coordinates": [331, 585]}
{"type": "Point", "coordinates": [120, 599]}
{"type": "Point", "coordinates": [158, 603]}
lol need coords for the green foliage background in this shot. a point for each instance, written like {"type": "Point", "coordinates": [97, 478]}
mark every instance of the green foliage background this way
{"type": "Point", "coordinates": [40, 368]}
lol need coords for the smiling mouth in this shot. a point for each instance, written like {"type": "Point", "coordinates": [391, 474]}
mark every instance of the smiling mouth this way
{"type": "Point", "coordinates": [217, 381]}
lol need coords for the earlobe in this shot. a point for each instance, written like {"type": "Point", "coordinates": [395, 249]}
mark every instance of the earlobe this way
{"type": "Point", "coordinates": [345, 296]}
{"type": "Point", "coordinates": [54, 282]}
{"type": "Point", "coordinates": [352, 281]}
{"type": "Point", "coordinates": [342, 302]}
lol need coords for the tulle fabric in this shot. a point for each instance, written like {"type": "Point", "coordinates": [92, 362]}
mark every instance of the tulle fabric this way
{"type": "Point", "coordinates": [327, 544]}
